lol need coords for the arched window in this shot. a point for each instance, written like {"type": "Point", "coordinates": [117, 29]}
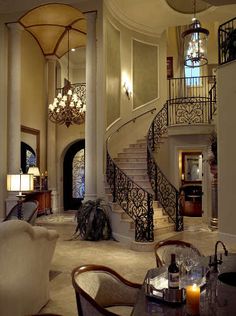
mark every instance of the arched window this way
{"type": "Point", "coordinates": [28, 157]}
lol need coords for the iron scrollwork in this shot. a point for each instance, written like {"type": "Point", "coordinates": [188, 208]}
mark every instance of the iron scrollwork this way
{"type": "Point", "coordinates": [165, 193]}
{"type": "Point", "coordinates": [189, 111]}
{"type": "Point", "coordinates": [134, 200]}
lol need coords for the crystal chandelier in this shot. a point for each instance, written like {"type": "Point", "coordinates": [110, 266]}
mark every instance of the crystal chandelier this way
{"type": "Point", "coordinates": [195, 43]}
{"type": "Point", "coordinates": [69, 106]}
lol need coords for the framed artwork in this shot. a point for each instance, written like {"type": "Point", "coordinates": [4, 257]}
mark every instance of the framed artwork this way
{"type": "Point", "coordinates": [169, 67]}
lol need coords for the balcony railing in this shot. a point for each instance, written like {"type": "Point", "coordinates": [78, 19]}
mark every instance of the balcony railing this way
{"type": "Point", "coordinates": [190, 87]}
{"type": "Point", "coordinates": [192, 100]}
{"type": "Point", "coordinates": [227, 41]}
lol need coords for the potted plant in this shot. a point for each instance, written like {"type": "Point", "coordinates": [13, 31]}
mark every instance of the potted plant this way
{"type": "Point", "coordinates": [93, 222]}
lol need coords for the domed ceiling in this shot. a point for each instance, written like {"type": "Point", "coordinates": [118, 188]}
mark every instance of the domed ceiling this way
{"type": "Point", "coordinates": [49, 24]}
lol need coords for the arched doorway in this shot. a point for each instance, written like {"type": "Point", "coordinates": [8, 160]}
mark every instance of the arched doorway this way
{"type": "Point", "coordinates": [73, 176]}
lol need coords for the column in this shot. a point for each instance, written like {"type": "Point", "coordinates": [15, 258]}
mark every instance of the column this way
{"type": "Point", "coordinates": [214, 198]}
{"type": "Point", "coordinates": [14, 105]}
{"type": "Point", "coordinates": [14, 97]}
{"type": "Point", "coordinates": [90, 119]}
{"type": "Point", "coordinates": [3, 117]}
{"type": "Point", "coordinates": [51, 135]}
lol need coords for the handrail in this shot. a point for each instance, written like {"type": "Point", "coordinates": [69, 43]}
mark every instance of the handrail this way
{"type": "Point", "coordinates": [226, 41]}
{"type": "Point", "coordinates": [134, 200]}
{"type": "Point", "coordinates": [165, 193]}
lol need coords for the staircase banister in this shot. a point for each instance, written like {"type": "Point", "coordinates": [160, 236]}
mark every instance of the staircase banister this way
{"type": "Point", "coordinates": [152, 110]}
{"type": "Point", "coordinates": [165, 192]}
{"type": "Point", "coordinates": [141, 200]}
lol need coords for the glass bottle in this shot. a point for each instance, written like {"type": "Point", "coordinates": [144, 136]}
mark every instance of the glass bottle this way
{"type": "Point", "coordinates": [173, 274]}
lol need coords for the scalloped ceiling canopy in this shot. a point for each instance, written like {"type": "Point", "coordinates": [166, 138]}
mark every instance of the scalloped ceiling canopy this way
{"type": "Point", "coordinates": [187, 7]}
{"type": "Point", "coordinates": [49, 25]}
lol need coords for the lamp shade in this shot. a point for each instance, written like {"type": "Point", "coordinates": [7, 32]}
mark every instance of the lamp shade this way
{"type": "Point", "coordinates": [20, 182]}
{"type": "Point", "coordinates": [34, 171]}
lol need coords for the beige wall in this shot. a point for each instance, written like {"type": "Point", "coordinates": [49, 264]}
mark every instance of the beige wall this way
{"type": "Point", "coordinates": [227, 148]}
{"type": "Point", "coordinates": [127, 110]}
{"type": "Point", "coordinates": [33, 97]}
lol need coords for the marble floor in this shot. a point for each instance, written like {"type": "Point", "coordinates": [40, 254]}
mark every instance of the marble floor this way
{"type": "Point", "coordinates": [70, 253]}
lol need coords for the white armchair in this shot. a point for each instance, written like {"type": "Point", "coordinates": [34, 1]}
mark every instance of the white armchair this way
{"type": "Point", "coordinates": [26, 252]}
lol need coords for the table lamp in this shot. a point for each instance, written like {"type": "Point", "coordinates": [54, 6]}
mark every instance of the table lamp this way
{"type": "Point", "coordinates": [36, 173]}
{"type": "Point", "coordinates": [21, 183]}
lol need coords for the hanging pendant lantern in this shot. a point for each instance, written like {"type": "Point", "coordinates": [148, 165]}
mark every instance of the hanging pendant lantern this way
{"type": "Point", "coordinates": [195, 44]}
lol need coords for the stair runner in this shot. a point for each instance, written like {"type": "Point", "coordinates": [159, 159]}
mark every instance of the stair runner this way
{"type": "Point", "coordinates": [133, 162]}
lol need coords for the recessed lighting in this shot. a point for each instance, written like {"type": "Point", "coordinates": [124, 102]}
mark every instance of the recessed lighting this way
{"type": "Point", "coordinates": [73, 49]}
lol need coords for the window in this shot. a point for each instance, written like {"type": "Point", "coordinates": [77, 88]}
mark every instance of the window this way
{"type": "Point", "coordinates": [78, 175]}
{"type": "Point", "coordinates": [192, 76]}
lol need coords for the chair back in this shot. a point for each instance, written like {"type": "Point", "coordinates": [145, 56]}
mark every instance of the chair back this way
{"type": "Point", "coordinates": [163, 250]}
{"type": "Point", "coordinates": [99, 287]}
{"type": "Point", "coordinates": [28, 210]}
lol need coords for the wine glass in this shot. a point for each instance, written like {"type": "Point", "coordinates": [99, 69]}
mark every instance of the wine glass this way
{"type": "Point", "coordinates": [190, 260]}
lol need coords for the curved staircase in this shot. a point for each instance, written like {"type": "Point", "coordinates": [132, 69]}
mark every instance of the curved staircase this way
{"type": "Point", "coordinates": [145, 204]}
{"type": "Point", "coordinates": [133, 162]}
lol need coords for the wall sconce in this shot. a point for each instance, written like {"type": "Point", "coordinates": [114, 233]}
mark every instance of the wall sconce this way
{"type": "Point", "coordinates": [127, 89]}
{"type": "Point", "coordinates": [21, 183]}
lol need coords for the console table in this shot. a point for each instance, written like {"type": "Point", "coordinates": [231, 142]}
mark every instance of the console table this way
{"type": "Point", "coordinates": [44, 199]}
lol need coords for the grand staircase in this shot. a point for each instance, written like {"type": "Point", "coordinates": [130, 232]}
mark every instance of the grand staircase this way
{"type": "Point", "coordinates": [145, 203]}
{"type": "Point", "coordinates": [133, 162]}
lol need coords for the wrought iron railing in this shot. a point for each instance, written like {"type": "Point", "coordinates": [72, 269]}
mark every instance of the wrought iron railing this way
{"type": "Point", "coordinates": [190, 87]}
{"type": "Point", "coordinates": [227, 41]}
{"type": "Point", "coordinates": [165, 193]}
{"type": "Point", "coordinates": [191, 100]}
{"type": "Point", "coordinates": [134, 200]}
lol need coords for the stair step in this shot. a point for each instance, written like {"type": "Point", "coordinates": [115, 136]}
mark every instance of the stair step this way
{"type": "Point", "coordinates": [132, 155]}
{"type": "Point", "coordinates": [165, 228]}
{"type": "Point", "coordinates": [135, 150]}
{"type": "Point", "coordinates": [133, 171]}
{"type": "Point", "coordinates": [139, 145]}
{"type": "Point", "coordinates": [143, 140]}
{"type": "Point", "coordinates": [133, 165]}
{"type": "Point", "coordinates": [137, 177]}
{"type": "Point", "coordinates": [160, 220]}
{"type": "Point", "coordinates": [133, 159]}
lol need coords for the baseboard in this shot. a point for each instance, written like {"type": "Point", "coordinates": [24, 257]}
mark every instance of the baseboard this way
{"type": "Point", "coordinates": [227, 237]}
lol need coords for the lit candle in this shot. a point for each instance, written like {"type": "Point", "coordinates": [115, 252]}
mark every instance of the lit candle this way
{"type": "Point", "coordinates": [192, 299]}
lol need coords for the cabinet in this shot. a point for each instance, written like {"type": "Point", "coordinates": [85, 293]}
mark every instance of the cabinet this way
{"type": "Point", "coordinates": [44, 199]}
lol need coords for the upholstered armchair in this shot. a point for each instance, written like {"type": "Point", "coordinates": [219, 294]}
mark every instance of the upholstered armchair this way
{"type": "Point", "coordinates": [28, 209]}
{"type": "Point", "coordinates": [102, 291]}
{"type": "Point", "coordinates": [26, 252]}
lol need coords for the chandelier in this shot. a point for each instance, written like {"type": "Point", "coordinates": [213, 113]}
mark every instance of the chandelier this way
{"type": "Point", "coordinates": [69, 105]}
{"type": "Point", "coordinates": [195, 43]}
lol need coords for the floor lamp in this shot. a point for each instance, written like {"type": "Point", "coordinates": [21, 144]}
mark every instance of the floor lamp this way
{"type": "Point", "coordinates": [21, 183]}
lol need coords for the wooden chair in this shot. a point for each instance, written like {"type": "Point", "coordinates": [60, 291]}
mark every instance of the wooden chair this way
{"type": "Point", "coordinates": [102, 291]}
{"type": "Point", "coordinates": [28, 209]}
{"type": "Point", "coordinates": [163, 250]}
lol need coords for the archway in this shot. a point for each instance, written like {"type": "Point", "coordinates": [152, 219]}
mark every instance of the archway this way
{"type": "Point", "coordinates": [73, 176]}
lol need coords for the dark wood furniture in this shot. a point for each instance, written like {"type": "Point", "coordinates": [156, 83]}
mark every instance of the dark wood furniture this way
{"type": "Point", "coordinates": [191, 200]}
{"type": "Point", "coordinates": [44, 199]}
{"type": "Point", "coordinates": [98, 288]}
